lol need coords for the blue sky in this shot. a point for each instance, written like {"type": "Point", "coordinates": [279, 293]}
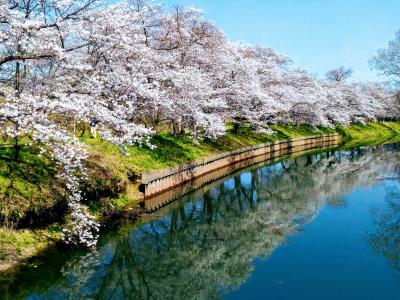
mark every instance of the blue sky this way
{"type": "Point", "coordinates": [317, 34]}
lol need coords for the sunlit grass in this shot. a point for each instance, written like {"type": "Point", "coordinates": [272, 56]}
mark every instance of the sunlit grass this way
{"type": "Point", "coordinates": [370, 134]}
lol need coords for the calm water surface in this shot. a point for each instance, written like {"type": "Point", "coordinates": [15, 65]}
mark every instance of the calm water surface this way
{"type": "Point", "coordinates": [325, 225]}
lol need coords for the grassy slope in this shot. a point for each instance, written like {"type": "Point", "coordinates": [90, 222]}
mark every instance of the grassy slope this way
{"type": "Point", "coordinates": [374, 133]}
{"type": "Point", "coordinates": [171, 151]}
{"type": "Point", "coordinates": [112, 174]}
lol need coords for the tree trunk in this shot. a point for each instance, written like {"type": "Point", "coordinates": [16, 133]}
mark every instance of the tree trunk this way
{"type": "Point", "coordinates": [236, 128]}
{"type": "Point", "coordinates": [177, 129]}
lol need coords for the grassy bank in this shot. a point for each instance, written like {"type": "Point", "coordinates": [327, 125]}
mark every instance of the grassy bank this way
{"type": "Point", "coordinates": [33, 201]}
{"type": "Point", "coordinates": [372, 134]}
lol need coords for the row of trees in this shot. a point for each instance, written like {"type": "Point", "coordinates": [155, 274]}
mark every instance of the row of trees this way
{"type": "Point", "coordinates": [132, 65]}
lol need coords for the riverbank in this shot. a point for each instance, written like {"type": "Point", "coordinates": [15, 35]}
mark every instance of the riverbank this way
{"type": "Point", "coordinates": [112, 185]}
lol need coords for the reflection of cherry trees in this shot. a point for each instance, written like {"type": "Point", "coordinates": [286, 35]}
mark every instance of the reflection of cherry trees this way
{"type": "Point", "coordinates": [207, 243]}
{"type": "Point", "coordinates": [386, 239]}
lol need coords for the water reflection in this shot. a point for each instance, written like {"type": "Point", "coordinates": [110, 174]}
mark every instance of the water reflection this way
{"type": "Point", "coordinates": [206, 244]}
{"type": "Point", "coordinates": [386, 240]}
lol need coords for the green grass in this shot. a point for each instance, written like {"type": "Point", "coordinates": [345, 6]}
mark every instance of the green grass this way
{"type": "Point", "coordinates": [301, 130]}
{"type": "Point", "coordinates": [121, 202]}
{"type": "Point", "coordinates": [18, 244]}
{"type": "Point", "coordinates": [171, 151]}
{"type": "Point", "coordinates": [370, 134]}
{"type": "Point", "coordinates": [27, 183]}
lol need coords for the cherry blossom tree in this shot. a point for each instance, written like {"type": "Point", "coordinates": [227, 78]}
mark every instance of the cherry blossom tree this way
{"type": "Point", "coordinates": [51, 71]}
{"type": "Point", "coordinates": [130, 65]}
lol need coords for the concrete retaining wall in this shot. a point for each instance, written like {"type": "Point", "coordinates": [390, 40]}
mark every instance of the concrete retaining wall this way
{"type": "Point", "coordinates": [157, 182]}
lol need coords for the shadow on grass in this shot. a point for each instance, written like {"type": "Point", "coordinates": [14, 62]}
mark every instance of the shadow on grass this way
{"type": "Point", "coordinates": [29, 193]}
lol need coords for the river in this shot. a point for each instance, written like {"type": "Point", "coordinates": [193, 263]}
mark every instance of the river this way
{"type": "Point", "coordinates": [324, 225]}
